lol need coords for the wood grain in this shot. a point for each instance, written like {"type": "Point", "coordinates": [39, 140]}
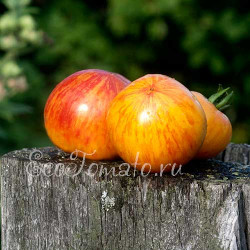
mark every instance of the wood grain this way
{"type": "Point", "coordinates": [207, 207]}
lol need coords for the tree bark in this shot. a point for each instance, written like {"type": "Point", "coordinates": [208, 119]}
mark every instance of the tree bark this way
{"type": "Point", "coordinates": [50, 203]}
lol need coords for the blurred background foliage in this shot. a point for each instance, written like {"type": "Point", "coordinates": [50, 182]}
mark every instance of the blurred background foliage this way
{"type": "Point", "coordinates": [200, 43]}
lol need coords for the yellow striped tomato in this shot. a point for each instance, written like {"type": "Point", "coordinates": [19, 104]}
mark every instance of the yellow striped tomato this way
{"type": "Point", "coordinates": [75, 112]}
{"type": "Point", "coordinates": [158, 120]}
{"type": "Point", "coordinates": [219, 129]}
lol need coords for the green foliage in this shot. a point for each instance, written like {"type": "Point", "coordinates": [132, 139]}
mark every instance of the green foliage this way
{"type": "Point", "coordinates": [18, 35]}
{"type": "Point", "coordinates": [199, 43]}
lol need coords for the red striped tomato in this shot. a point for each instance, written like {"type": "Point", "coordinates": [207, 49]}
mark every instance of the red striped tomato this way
{"type": "Point", "coordinates": [75, 112]}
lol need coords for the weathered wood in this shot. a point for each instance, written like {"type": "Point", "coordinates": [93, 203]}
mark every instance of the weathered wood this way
{"type": "Point", "coordinates": [207, 207]}
{"type": "Point", "coordinates": [236, 153]}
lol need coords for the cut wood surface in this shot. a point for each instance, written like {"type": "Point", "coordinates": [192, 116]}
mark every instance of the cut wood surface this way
{"type": "Point", "coordinates": [50, 201]}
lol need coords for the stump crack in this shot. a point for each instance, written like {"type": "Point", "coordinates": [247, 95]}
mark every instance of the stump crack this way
{"type": "Point", "coordinates": [244, 234]}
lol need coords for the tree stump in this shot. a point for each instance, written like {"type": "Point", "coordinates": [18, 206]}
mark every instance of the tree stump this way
{"type": "Point", "coordinates": [52, 201]}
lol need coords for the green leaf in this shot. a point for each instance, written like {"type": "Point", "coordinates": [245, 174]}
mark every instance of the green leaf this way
{"type": "Point", "coordinates": [217, 95]}
{"type": "Point", "coordinates": [221, 99]}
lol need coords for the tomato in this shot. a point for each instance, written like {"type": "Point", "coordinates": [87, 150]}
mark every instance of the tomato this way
{"type": "Point", "coordinates": [219, 129]}
{"type": "Point", "coordinates": [75, 112]}
{"type": "Point", "coordinates": [157, 119]}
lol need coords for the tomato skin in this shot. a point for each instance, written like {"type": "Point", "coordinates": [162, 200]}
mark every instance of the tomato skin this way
{"type": "Point", "coordinates": [75, 112]}
{"type": "Point", "coordinates": [159, 118]}
{"type": "Point", "coordinates": [219, 129]}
